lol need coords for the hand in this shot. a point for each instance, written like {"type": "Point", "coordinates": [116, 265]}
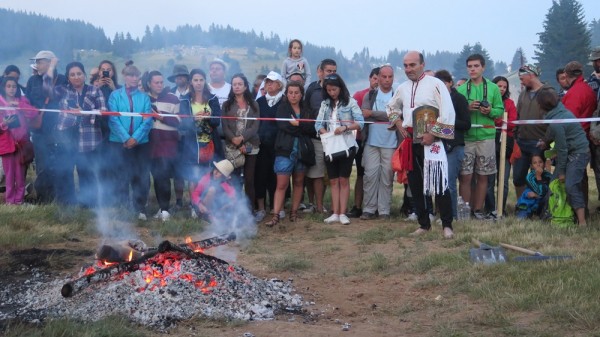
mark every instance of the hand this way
{"type": "Point", "coordinates": [402, 130]}
{"type": "Point", "coordinates": [294, 122]}
{"type": "Point", "coordinates": [322, 130]}
{"type": "Point", "coordinates": [109, 82]}
{"type": "Point", "coordinates": [474, 105]}
{"type": "Point", "coordinates": [53, 62]}
{"type": "Point", "coordinates": [428, 139]}
{"type": "Point", "coordinates": [561, 178]}
{"type": "Point", "coordinates": [485, 111]}
{"type": "Point", "coordinates": [532, 195]}
{"type": "Point", "coordinates": [541, 145]}
{"type": "Point", "coordinates": [237, 141]}
{"type": "Point", "coordinates": [340, 129]}
{"type": "Point", "coordinates": [367, 113]}
{"type": "Point", "coordinates": [130, 143]}
{"type": "Point", "coordinates": [243, 149]}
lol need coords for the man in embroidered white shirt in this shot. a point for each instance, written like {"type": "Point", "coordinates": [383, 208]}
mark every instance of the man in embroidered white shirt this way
{"type": "Point", "coordinates": [428, 167]}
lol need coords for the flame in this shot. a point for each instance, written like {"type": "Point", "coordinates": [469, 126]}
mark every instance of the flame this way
{"type": "Point", "coordinates": [130, 257]}
{"type": "Point", "coordinates": [194, 247]}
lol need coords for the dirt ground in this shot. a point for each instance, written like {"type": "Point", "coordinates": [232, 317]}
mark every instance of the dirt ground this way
{"type": "Point", "coordinates": [339, 285]}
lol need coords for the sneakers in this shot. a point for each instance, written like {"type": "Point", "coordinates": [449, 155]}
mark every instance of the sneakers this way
{"type": "Point", "coordinates": [355, 212]}
{"type": "Point", "coordinates": [448, 233]}
{"type": "Point", "coordinates": [142, 217]}
{"type": "Point", "coordinates": [333, 218]}
{"type": "Point", "coordinates": [419, 232]}
{"type": "Point", "coordinates": [368, 216]}
{"type": "Point", "coordinates": [412, 217]}
{"type": "Point", "coordinates": [164, 216]}
{"type": "Point", "coordinates": [281, 214]}
{"type": "Point", "coordinates": [193, 214]}
{"type": "Point", "coordinates": [155, 216]}
{"type": "Point", "coordinates": [478, 215]}
{"type": "Point", "coordinates": [301, 207]}
{"type": "Point", "coordinates": [309, 209]}
{"type": "Point", "coordinates": [260, 215]}
{"type": "Point", "coordinates": [431, 218]}
{"type": "Point", "coordinates": [344, 219]}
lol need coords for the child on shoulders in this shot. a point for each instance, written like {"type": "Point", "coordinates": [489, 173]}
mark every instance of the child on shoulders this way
{"type": "Point", "coordinates": [295, 62]}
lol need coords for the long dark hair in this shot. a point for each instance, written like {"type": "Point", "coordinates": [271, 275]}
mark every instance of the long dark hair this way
{"type": "Point", "coordinates": [5, 80]}
{"type": "Point", "coordinates": [206, 95]}
{"type": "Point", "coordinates": [336, 80]}
{"type": "Point", "coordinates": [72, 65]}
{"type": "Point", "coordinates": [114, 69]}
{"type": "Point", "coordinates": [247, 95]}
{"type": "Point", "coordinates": [502, 78]}
{"type": "Point", "coordinates": [298, 85]}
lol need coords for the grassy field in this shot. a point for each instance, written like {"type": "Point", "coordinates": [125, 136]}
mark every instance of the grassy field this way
{"type": "Point", "coordinates": [370, 274]}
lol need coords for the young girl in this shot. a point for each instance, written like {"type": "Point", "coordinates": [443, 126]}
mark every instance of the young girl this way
{"type": "Point", "coordinates": [295, 62]}
{"type": "Point", "coordinates": [13, 130]}
{"type": "Point", "coordinates": [538, 180]}
{"type": "Point", "coordinates": [214, 193]}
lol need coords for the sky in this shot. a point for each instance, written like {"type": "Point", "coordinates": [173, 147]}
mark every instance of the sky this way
{"type": "Point", "coordinates": [501, 26]}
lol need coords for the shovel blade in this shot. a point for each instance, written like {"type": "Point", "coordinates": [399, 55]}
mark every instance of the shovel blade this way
{"type": "Point", "coordinates": [541, 258]}
{"type": "Point", "coordinates": [488, 255]}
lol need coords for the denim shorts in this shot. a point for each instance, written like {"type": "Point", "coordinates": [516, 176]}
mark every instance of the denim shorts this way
{"type": "Point", "coordinates": [288, 165]}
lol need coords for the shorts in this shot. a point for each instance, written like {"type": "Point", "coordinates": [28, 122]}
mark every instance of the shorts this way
{"type": "Point", "coordinates": [288, 165]}
{"type": "Point", "coordinates": [341, 168]}
{"type": "Point", "coordinates": [317, 170]}
{"type": "Point", "coordinates": [480, 157]}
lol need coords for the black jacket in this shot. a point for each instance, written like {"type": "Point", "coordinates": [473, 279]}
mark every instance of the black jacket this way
{"type": "Point", "coordinates": [462, 122]}
{"type": "Point", "coordinates": [287, 133]}
{"type": "Point", "coordinates": [267, 130]}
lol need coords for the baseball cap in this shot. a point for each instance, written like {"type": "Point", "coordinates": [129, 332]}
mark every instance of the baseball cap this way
{"type": "Point", "coordinates": [43, 54]}
{"type": "Point", "coordinates": [574, 68]}
{"type": "Point", "coordinates": [595, 54]}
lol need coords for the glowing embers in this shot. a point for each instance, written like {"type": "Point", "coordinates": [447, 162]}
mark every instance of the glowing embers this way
{"type": "Point", "coordinates": [194, 245]}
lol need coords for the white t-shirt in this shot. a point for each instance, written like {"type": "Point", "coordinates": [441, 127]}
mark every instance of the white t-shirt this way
{"type": "Point", "coordinates": [222, 93]}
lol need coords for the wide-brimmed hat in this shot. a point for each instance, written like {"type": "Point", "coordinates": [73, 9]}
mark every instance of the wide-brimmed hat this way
{"type": "Point", "coordinates": [43, 54]}
{"type": "Point", "coordinates": [225, 167]}
{"type": "Point", "coordinates": [179, 70]}
{"type": "Point", "coordinates": [595, 54]}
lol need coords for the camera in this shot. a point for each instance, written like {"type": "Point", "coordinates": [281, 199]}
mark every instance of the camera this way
{"type": "Point", "coordinates": [105, 73]}
{"type": "Point", "coordinates": [484, 104]}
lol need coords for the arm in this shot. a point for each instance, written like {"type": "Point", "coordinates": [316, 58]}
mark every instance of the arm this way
{"type": "Point", "coordinates": [320, 122]}
{"type": "Point", "coordinates": [215, 110]}
{"type": "Point", "coordinates": [285, 126]}
{"type": "Point", "coordinates": [496, 103]}
{"type": "Point", "coordinates": [228, 123]}
{"type": "Point", "coordinates": [444, 126]}
{"type": "Point", "coordinates": [143, 129]}
{"type": "Point", "coordinates": [357, 116]}
{"type": "Point", "coordinates": [463, 115]}
{"type": "Point", "coordinates": [560, 145]}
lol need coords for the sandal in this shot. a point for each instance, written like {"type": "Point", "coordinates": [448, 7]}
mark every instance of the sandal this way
{"type": "Point", "coordinates": [274, 221]}
{"type": "Point", "coordinates": [293, 216]}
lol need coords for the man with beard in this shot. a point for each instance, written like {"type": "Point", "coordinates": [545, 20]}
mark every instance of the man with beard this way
{"type": "Point", "coordinates": [425, 160]}
{"type": "Point", "coordinates": [528, 136]}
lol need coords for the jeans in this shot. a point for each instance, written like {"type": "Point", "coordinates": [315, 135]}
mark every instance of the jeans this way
{"type": "Point", "coordinates": [455, 158]}
{"type": "Point", "coordinates": [576, 168]}
{"type": "Point", "coordinates": [522, 165]}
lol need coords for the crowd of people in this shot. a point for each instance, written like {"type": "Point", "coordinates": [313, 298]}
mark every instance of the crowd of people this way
{"type": "Point", "coordinates": [286, 137]}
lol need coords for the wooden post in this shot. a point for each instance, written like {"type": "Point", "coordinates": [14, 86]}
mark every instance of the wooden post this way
{"type": "Point", "coordinates": [502, 168]}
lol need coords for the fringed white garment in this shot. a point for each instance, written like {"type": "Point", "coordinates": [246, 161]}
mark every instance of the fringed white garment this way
{"type": "Point", "coordinates": [435, 170]}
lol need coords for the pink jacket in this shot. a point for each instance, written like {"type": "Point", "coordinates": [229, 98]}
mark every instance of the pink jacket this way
{"type": "Point", "coordinates": [28, 113]}
{"type": "Point", "coordinates": [204, 183]}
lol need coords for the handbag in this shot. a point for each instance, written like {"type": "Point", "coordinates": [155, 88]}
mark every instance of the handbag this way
{"type": "Point", "coordinates": [234, 155]}
{"type": "Point", "coordinates": [306, 148]}
{"type": "Point", "coordinates": [335, 146]}
{"type": "Point", "coordinates": [24, 151]}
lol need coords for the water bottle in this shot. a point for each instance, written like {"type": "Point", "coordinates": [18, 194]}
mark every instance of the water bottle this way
{"type": "Point", "coordinates": [467, 211]}
{"type": "Point", "coordinates": [460, 208]}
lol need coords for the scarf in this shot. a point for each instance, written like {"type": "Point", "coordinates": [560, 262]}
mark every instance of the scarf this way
{"type": "Point", "coordinates": [435, 170]}
{"type": "Point", "coordinates": [272, 100]}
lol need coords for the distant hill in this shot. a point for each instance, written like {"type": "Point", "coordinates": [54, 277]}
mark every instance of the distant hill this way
{"type": "Point", "coordinates": [248, 52]}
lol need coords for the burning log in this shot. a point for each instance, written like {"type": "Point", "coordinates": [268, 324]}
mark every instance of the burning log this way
{"type": "Point", "coordinates": [192, 250]}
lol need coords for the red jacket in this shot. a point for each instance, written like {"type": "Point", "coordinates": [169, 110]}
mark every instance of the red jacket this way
{"type": "Point", "coordinates": [205, 182]}
{"type": "Point", "coordinates": [581, 101]}
{"type": "Point", "coordinates": [511, 109]}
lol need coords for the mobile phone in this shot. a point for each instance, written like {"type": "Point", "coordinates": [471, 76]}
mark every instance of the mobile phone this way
{"type": "Point", "coordinates": [105, 73]}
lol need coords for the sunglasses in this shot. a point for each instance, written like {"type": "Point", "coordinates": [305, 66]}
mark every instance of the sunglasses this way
{"type": "Point", "coordinates": [332, 77]}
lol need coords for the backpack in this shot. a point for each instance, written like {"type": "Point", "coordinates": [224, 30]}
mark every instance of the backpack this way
{"type": "Point", "coordinates": [561, 213]}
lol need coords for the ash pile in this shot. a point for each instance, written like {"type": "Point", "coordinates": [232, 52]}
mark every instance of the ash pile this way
{"type": "Point", "coordinates": [156, 289]}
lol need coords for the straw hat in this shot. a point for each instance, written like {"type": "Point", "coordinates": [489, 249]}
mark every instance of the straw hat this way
{"type": "Point", "coordinates": [225, 167]}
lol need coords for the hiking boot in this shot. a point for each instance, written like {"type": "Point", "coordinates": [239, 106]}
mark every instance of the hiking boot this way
{"type": "Point", "coordinates": [368, 216]}
{"type": "Point", "coordinates": [355, 212]}
{"type": "Point", "coordinates": [384, 217]}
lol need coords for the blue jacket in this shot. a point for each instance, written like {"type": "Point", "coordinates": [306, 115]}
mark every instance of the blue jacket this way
{"type": "Point", "coordinates": [189, 146]}
{"type": "Point", "coordinates": [120, 125]}
{"type": "Point", "coordinates": [347, 114]}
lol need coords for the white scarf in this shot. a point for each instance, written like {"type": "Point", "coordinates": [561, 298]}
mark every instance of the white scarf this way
{"type": "Point", "coordinates": [272, 100]}
{"type": "Point", "coordinates": [435, 168]}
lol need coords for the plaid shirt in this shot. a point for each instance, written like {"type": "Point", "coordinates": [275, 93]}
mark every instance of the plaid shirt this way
{"type": "Point", "coordinates": [89, 126]}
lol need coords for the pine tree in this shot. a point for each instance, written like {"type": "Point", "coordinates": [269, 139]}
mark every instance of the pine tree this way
{"type": "Point", "coordinates": [595, 31]}
{"type": "Point", "coordinates": [565, 38]}
{"type": "Point", "coordinates": [518, 59]}
{"type": "Point", "coordinates": [460, 65]}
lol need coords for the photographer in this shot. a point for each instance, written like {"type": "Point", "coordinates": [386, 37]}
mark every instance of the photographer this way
{"type": "Point", "coordinates": [485, 104]}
